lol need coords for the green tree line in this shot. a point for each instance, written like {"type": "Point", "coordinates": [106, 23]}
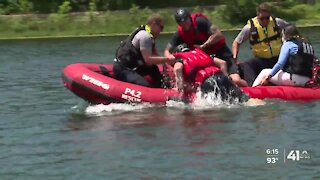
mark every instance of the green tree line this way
{"type": "Point", "coordinates": [235, 11]}
{"type": "Point", "coordinates": [96, 21]}
{"type": "Point", "coordinates": [51, 6]}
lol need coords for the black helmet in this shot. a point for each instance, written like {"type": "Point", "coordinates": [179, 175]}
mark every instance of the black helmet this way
{"type": "Point", "coordinates": [182, 48]}
{"type": "Point", "coordinates": [182, 15]}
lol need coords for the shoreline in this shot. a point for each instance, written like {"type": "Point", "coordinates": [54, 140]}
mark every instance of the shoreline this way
{"type": "Point", "coordinates": [120, 34]}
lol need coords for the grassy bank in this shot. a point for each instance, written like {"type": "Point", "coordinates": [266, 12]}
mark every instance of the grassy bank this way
{"type": "Point", "coordinates": [112, 23]}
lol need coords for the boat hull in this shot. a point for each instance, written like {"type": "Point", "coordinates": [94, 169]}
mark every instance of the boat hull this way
{"type": "Point", "coordinates": [289, 93]}
{"type": "Point", "coordinates": [95, 83]}
{"type": "Point", "coordinates": [89, 82]}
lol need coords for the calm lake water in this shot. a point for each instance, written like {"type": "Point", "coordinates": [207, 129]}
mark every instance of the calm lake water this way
{"type": "Point", "coordinates": [46, 132]}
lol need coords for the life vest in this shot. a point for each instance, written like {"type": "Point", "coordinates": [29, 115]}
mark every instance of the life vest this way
{"type": "Point", "coordinates": [194, 36]}
{"type": "Point", "coordinates": [196, 65]}
{"type": "Point", "coordinates": [265, 41]}
{"type": "Point", "coordinates": [315, 79]}
{"type": "Point", "coordinates": [302, 62]}
{"type": "Point", "coordinates": [127, 54]}
{"type": "Point", "coordinates": [203, 74]}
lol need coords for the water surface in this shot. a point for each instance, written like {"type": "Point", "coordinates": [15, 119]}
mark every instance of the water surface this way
{"type": "Point", "coordinates": [46, 132]}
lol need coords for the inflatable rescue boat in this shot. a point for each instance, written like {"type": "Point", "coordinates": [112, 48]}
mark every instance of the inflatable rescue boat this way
{"type": "Point", "coordinates": [95, 83]}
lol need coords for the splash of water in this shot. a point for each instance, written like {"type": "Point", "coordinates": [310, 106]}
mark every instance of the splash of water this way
{"type": "Point", "coordinates": [203, 101]}
{"type": "Point", "coordinates": [212, 100]}
{"type": "Point", "coordinates": [115, 108]}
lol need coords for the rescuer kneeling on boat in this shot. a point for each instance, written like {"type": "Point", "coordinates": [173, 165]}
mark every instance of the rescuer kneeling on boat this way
{"type": "Point", "coordinates": [196, 30]}
{"type": "Point", "coordinates": [137, 55]}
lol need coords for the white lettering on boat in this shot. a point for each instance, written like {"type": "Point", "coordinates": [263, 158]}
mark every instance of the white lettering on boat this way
{"type": "Point", "coordinates": [132, 95]}
{"type": "Point", "coordinates": [130, 98]}
{"type": "Point", "coordinates": [95, 82]}
{"type": "Point", "coordinates": [133, 92]}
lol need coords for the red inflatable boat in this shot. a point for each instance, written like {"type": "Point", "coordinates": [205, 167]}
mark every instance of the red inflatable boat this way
{"type": "Point", "coordinates": [95, 84]}
{"type": "Point", "coordinates": [289, 93]}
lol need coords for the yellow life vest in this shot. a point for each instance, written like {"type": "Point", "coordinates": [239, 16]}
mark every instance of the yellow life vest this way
{"type": "Point", "coordinates": [265, 41]}
{"type": "Point", "coordinates": [148, 29]}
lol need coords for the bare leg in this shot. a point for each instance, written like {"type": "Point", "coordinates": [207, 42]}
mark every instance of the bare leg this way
{"type": "Point", "coordinates": [234, 77]}
{"type": "Point", "coordinates": [238, 81]}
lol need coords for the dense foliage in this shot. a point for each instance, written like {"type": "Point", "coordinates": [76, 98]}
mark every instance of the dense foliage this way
{"type": "Point", "coordinates": [50, 6]}
{"type": "Point", "coordinates": [241, 10]}
{"type": "Point", "coordinates": [235, 11]}
{"type": "Point", "coordinates": [61, 22]}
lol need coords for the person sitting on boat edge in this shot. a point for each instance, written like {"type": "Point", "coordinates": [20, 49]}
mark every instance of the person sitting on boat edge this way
{"type": "Point", "coordinates": [190, 62]}
{"type": "Point", "coordinates": [264, 35]}
{"type": "Point", "coordinates": [196, 30]}
{"type": "Point", "coordinates": [294, 66]}
{"type": "Point", "coordinates": [137, 55]}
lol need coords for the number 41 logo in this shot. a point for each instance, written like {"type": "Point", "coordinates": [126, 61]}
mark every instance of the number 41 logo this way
{"type": "Point", "coordinates": [295, 155]}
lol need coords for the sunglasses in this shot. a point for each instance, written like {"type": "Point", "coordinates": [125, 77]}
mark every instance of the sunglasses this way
{"type": "Point", "coordinates": [264, 18]}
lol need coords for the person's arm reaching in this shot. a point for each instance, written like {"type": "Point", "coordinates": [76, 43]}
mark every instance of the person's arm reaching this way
{"type": "Point", "coordinates": [149, 52]}
{"type": "Point", "coordinates": [167, 51]}
{"type": "Point", "coordinates": [215, 36]}
{"type": "Point", "coordinates": [242, 37]}
{"type": "Point", "coordinates": [153, 59]}
{"type": "Point", "coordinates": [283, 57]}
{"type": "Point", "coordinates": [235, 49]}
{"type": "Point", "coordinates": [281, 61]}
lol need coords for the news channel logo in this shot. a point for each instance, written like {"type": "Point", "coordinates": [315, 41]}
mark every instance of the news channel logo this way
{"type": "Point", "coordinates": [274, 155]}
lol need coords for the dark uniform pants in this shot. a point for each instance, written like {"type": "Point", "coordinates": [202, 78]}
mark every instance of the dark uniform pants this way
{"type": "Point", "coordinates": [137, 76]}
